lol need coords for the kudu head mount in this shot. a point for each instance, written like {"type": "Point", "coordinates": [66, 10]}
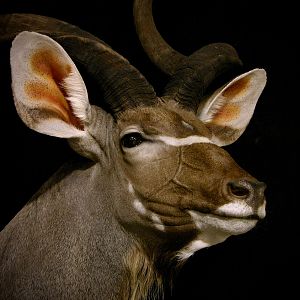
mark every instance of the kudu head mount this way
{"type": "Point", "coordinates": [173, 189]}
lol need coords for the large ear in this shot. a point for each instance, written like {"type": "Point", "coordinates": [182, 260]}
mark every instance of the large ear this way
{"type": "Point", "coordinates": [228, 111]}
{"type": "Point", "coordinates": [49, 93]}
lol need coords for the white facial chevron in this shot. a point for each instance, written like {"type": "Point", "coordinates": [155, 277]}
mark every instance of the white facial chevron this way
{"type": "Point", "coordinates": [178, 142]}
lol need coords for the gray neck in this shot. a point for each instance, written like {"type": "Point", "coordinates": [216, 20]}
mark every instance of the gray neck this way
{"type": "Point", "coordinates": [66, 241]}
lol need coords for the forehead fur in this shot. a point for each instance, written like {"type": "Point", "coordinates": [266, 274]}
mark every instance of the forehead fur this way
{"type": "Point", "coordinates": [164, 119]}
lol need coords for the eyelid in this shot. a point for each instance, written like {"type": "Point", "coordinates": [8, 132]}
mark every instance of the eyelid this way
{"type": "Point", "coordinates": [131, 130]}
{"type": "Point", "coordinates": [134, 129]}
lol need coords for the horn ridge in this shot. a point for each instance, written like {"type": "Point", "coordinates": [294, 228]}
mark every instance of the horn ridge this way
{"type": "Point", "coordinates": [189, 84]}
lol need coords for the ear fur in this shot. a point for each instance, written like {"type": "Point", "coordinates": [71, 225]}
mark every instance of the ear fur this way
{"type": "Point", "coordinates": [228, 111]}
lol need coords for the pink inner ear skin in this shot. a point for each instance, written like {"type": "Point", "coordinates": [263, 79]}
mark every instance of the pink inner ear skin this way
{"type": "Point", "coordinates": [227, 113]}
{"type": "Point", "coordinates": [231, 111]}
{"type": "Point", "coordinates": [44, 63]}
{"type": "Point", "coordinates": [237, 88]}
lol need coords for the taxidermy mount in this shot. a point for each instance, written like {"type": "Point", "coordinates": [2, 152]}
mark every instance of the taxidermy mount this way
{"type": "Point", "coordinates": [155, 186]}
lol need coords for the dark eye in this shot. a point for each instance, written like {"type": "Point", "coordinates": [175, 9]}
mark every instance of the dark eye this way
{"type": "Point", "coordinates": [131, 140]}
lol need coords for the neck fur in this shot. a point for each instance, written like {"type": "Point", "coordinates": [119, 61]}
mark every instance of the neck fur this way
{"type": "Point", "coordinates": [148, 276]}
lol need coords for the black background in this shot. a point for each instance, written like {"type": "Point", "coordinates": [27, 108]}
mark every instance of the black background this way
{"type": "Point", "coordinates": [259, 263]}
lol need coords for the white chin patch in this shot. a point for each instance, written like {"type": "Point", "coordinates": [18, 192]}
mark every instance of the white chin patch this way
{"type": "Point", "coordinates": [203, 240]}
{"type": "Point", "coordinates": [231, 226]}
{"type": "Point", "coordinates": [216, 229]}
{"type": "Point", "coordinates": [237, 208]}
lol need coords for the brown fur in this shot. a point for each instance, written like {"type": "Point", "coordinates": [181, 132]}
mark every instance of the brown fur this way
{"type": "Point", "coordinates": [172, 179]}
{"type": "Point", "coordinates": [165, 118]}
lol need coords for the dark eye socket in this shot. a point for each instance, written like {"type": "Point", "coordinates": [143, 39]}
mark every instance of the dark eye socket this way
{"type": "Point", "coordinates": [132, 139]}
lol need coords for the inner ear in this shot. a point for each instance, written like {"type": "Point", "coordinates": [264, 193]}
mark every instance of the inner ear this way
{"type": "Point", "coordinates": [49, 92]}
{"type": "Point", "coordinates": [52, 89]}
{"type": "Point", "coordinates": [228, 111]}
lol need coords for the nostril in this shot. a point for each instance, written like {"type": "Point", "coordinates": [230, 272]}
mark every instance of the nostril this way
{"type": "Point", "coordinates": [237, 189]}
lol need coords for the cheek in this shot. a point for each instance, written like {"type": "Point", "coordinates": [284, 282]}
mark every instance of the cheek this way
{"type": "Point", "coordinates": [203, 187]}
{"type": "Point", "coordinates": [202, 174]}
{"type": "Point", "coordinates": [151, 172]}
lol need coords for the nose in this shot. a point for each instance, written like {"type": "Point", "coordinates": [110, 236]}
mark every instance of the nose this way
{"type": "Point", "coordinates": [252, 191]}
